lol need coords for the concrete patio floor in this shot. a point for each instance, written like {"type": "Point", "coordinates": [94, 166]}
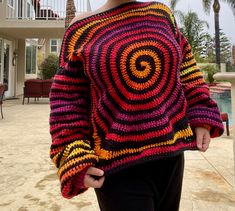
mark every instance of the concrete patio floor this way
{"type": "Point", "coordinates": [28, 180]}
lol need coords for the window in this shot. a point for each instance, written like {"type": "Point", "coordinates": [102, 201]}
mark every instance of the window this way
{"type": "Point", "coordinates": [31, 58]}
{"type": "Point", "coordinates": [54, 46]}
{"type": "Point", "coordinates": [28, 10]}
{"type": "Point", "coordinates": [20, 9]}
{"type": "Point", "coordinates": [11, 3]}
{"type": "Point", "coordinates": [10, 9]}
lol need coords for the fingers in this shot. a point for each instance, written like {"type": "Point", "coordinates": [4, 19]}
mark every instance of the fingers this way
{"type": "Point", "coordinates": [205, 142]}
{"type": "Point", "coordinates": [91, 181]}
{"type": "Point", "coordinates": [202, 139]}
{"type": "Point", "coordinates": [199, 139]}
{"type": "Point", "coordinates": [95, 171]}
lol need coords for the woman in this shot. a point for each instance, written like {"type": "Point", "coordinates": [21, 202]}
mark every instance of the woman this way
{"type": "Point", "coordinates": [126, 102]}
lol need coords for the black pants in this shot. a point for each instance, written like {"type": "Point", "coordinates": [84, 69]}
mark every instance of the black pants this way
{"type": "Point", "coordinates": [153, 186]}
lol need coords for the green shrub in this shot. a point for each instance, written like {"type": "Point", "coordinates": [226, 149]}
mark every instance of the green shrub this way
{"type": "Point", "coordinates": [210, 70]}
{"type": "Point", "coordinates": [230, 67]}
{"type": "Point", "coordinates": [49, 66]}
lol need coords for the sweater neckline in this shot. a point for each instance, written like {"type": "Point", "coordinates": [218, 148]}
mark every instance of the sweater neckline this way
{"type": "Point", "coordinates": [106, 12]}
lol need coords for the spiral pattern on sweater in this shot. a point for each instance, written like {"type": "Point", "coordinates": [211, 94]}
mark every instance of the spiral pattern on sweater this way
{"type": "Point", "coordinates": [128, 91]}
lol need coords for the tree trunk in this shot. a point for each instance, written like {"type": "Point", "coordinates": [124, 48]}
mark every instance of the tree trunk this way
{"type": "Point", "coordinates": [70, 12]}
{"type": "Point", "coordinates": [216, 8]}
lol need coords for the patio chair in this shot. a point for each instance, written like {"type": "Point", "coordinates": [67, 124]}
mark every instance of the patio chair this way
{"type": "Point", "coordinates": [2, 90]}
{"type": "Point", "coordinates": [32, 89]}
{"type": "Point", "coordinates": [224, 117]}
{"type": "Point", "coordinates": [36, 88]}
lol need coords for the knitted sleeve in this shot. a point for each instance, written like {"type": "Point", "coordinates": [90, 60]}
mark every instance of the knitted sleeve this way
{"type": "Point", "coordinates": [202, 111]}
{"type": "Point", "coordinates": [69, 121]}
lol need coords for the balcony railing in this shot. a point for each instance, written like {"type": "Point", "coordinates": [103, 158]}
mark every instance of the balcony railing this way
{"type": "Point", "coordinates": [42, 9]}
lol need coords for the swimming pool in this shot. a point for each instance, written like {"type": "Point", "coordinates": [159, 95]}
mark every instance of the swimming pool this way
{"type": "Point", "coordinates": [224, 104]}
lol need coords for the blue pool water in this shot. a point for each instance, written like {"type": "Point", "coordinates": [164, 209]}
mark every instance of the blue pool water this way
{"type": "Point", "coordinates": [224, 103]}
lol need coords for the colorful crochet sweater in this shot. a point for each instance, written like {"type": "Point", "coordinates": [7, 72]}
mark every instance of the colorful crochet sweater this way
{"type": "Point", "coordinates": [128, 91]}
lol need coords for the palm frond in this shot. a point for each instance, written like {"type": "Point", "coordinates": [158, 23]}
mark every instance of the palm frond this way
{"type": "Point", "coordinates": [180, 16]}
{"type": "Point", "coordinates": [173, 4]}
{"type": "Point", "coordinates": [207, 4]}
{"type": "Point", "coordinates": [231, 3]}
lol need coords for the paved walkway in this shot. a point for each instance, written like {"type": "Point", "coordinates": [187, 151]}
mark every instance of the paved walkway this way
{"type": "Point", "coordinates": [28, 180]}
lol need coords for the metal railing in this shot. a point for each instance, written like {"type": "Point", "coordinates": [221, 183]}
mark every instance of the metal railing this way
{"type": "Point", "coordinates": [42, 9]}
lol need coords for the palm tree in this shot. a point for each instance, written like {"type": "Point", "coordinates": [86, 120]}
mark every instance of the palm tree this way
{"type": "Point", "coordinates": [70, 12]}
{"type": "Point", "coordinates": [173, 4]}
{"type": "Point", "coordinates": [207, 4]}
{"type": "Point", "coordinates": [194, 29]}
{"type": "Point", "coordinates": [208, 51]}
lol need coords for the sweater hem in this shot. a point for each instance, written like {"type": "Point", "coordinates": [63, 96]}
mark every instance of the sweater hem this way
{"type": "Point", "coordinates": [144, 160]}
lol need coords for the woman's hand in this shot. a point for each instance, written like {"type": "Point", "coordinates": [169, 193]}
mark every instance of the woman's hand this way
{"type": "Point", "coordinates": [202, 138]}
{"type": "Point", "coordinates": [90, 179]}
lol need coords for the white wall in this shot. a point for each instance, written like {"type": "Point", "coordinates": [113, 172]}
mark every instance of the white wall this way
{"type": "Point", "coordinates": [20, 67]}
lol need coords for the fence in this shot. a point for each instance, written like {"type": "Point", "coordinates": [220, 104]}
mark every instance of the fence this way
{"type": "Point", "coordinates": [42, 9]}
